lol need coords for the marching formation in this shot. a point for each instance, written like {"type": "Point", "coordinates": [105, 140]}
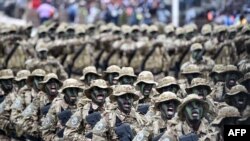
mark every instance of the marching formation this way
{"type": "Point", "coordinates": [130, 83]}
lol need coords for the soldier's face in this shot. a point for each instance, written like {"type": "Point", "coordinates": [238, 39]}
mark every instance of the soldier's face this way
{"type": "Point", "coordinates": [171, 88]}
{"type": "Point", "coordinates": [135, 35]}
{"type": "Point", "coordinates": [168, 109]}
{"type": "Point", "coordinates": [197, 55]}
{"type": "Point", "coordinates": [239, 101]}
{"type": "Point", "coordinates": [42, 55]}
{"type": "Point", "coordinates": [21, 83]}
{"type": "Point", "coordinates": [232, 35]}
{"type": "Point", "coordinates": [231, 79]}
{"type": "Point", "coordinates": [127, 80]}
{"type": "Point", "coordinates": [6, 84]}
{"type": "Point", "coordinates": [145, 88]}
{"type": "Point", "coordinates": [222, 36]}
{"type": "Point", "coordinates": [52, 87]}
{"type": "Point", "coordinates": [36, 81]}
{"type": "Point", "coordinates": [125, 103]}
{"type": "Point", "coordinates": [193, 111]}
{"type": "Point", "coordinates": [154, 34]}
{"type": "Point", "coordinates": [90, 77]}
{"type": "Point", "coordinates": [70, 95]}
{"type": "Point", "coordinates": [201, 91]}
{"type": "Point", "coordinates": [98, 95]}
{"type": "Point", "coordinates": [110, 78]}
{"type": "Point", "coordinates": [190, 35]}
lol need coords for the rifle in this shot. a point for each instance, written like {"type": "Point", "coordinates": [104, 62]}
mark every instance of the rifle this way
{"type": "Point", "coordinates": [106, 61]}
{"type": "Point", "coordinates": [147, 57]}
{"type": "Point", "coordinates": [97, 59]}
{"type": "Point", "coordinates": [178, 64]}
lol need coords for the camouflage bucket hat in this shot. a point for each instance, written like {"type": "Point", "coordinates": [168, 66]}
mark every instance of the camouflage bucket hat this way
{"type": "Point", "coordinates": [87, 70]}
{"type": "Point", "coordinates": [49, 77]}
{"type": "Point", "coordinates": [199, 82]}
{"type": "Point", "coordinates": [135, 28]}
{"type": "Point", "coordinates": [113, 69]}
{"type": "Point", "coordinates": [22, 74]}
{"type": "Point", "coordinates": [164, 97]}
{"type": "Point", "coordinates": [80, 29]}
{"type": "Point", "coordinates": [169, 28]}
{"type": "Point", "coordinates": [189, 28]}
{"type": "Point", "coordinates": [218, 68]}
{"type": "Point", "coordinates": [226, 112]}
{"type": "Point", "coordinates": [6, 74]}
{"type": "Point", "coordinates": [188, 99]}
{"type": "Point", "coordinates": [245, 78]}
{"type": "Point", "coordinates": [153, 28]}
{"type": "Point", "coordinates": [233, 69]}
{"type": "Point", "coordinates": [190, 69]}
{"type": "Point", "coordinates": [120, 90]}
{"type": "Point", "coordinates": [196, 46]}
{"type": "Point", "coordinates": [206, 29]}
{"type": "Point", "coordinates": [126, 71]}
{"type": "Point", "coordinates": [146, 77]}
{"type": "Point", "coordinates": [36, 72]}
{"type": "Point", "coordinates": [167, 81]}
{"type": "Point", "coordinates": [220, 28]}
{"type": "Point", "coordinates": [103, 28]}
{"type": "Point", "coordinates": [41, 46]}
{"type": "Point", "coordinates": [126, 29]}
{"type": "Point", "coordinates": [100, 83]}
{"type": "Point", "coordinates": [71, 83]}
{"type": "Point", "coordinates": [179, 31]}
{"type": "Point", "coordinates": [237, 89]}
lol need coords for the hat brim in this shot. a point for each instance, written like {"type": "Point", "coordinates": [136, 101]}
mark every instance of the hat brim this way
{"type": "Point", "coordinates": [167, 85]}
{"type": "Point", "coordinates": [83, 77]}
{"type": "Point", "coordinates": [22, 78]}
{"type": "Point", "coordinates": [189, 90]}
{"type": "Point", "coordinates": [240, 75]}
{"type": "Point", "coordinates": [62, 89]}
{"type": "Point", "coordinates": [30, 79]}
{"type": "Point", "coordinates": [182, 106]}
{"type": "Point", "coordinates": [42, 83]}
{"type": "Point", "coordinates": [119, 77]}
{"type": "Point", "coordinates": [6, 77]}
{"type": "Point", "coordinates": [114, 96]}
{"type": "Point", "coordinates": [163, 100]}
{"type": "Point", "coordinates": [147, 82]}
{"type": "Point", "coordinates": [194, 72]}
{"type": "Point", "coordinates": [88, 91]}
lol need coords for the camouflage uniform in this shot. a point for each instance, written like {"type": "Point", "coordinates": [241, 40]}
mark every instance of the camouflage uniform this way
{"type": "Point", "coordinates": [160, 125]}
{"type": "Point", "coordinates": [244, 61]}
{"type": "Point", "coordinates": [183, 128]}
{"type": "Point", "coordinates": [225, 112]}
{"type": "Point", "coordinates": [168, 81]}
{"type": "Point", "coordinates": [228, 54]}
{"type": "Point", "coordinates": [6, 128]}
{"type": "Point", "coordinates": [111, 69]}
{"type": "Point", "coordinates": [50, 65]}
{"type": "Point", "coordinates": [25, 107]}
{"type": "Point", "coordinates": [205, 65]}
{"type": "Point", "coordinates": [89, 70]}
{"type": "Point", "coordinates": [77, 126]}
{"type": "Point", "coordinates": [218, 88]}
{"type": "Point", "coordinates": [126, 71]}
{"type": "Point", "coordinates": [51, 124]}
{"type": "Point", "coordinates": [105, 128]}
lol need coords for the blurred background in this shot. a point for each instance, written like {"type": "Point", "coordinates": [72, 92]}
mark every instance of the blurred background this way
{"type": "Point", "coordinates": [178, 12]}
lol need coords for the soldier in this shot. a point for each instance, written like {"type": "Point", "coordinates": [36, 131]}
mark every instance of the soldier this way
{"type": "Point", "coordinates": [145, 84]}
{"type": "Point", "coordinates": [126, 76]}
{"type": "Point", "coordinates": [218, 77]}
{"type": "Point", "coordinates": [169, 84]}
{"type": "Point", "coordinates": [239, 97]}
{"type": "Point", "coordinates": [232, 75]}
{"type": "Point", "coordinates": [246, 81]}
{"type": "Point", "coordinates": [21, 78]}
{"type": "Point", "coordinates": [61, 110]}
{"type": "Point", "coordinates": [30, 121]}
{"type": "Point", "coordinates": [110, 74]}
{"type": "Point", "coordinates": [192, 122]}
{"type": "Point", "coordinates": [122, 122]}
{"type": "Point", "coordinates": [50, 65]}
{"type": "Point", "coordinates": [6, 127]}
{"type": "Point", "coordinates": [89, 74]}
{"type": "Point", "coordinates": [205, 64]}
{"type": "Point", "coordinates": [167, 104]}
{"type": "Point", "coordinates": [189, 72]}
{"type": "Point", "coordinates": [87, 115]}
{"type": "Point", "coordinates": [228, 115]}
{"type": "Point", "coordinates": [243, 63]}
{"type": "Point", "coordinates": [201, 87]}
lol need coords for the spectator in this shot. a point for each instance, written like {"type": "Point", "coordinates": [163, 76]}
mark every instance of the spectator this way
{"type": "Point", "coordinates": [45, 11]}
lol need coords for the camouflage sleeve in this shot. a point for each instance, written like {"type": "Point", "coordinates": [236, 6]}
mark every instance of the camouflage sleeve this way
{"type": "Point", "coordinates": [61, 72]}
{"type": "Point", "coordinates": [74, 130]}
{"type": "Point", "coordinates": [49, 124]}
